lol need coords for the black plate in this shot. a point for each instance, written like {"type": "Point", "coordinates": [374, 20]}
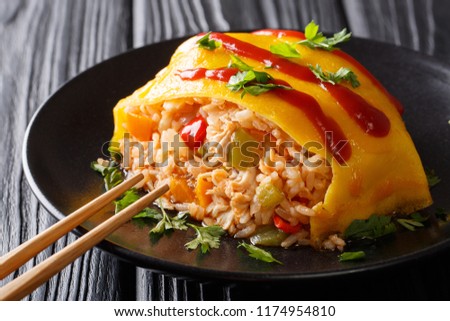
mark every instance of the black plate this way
{"type": "Point", "coordinates": [67, 133]}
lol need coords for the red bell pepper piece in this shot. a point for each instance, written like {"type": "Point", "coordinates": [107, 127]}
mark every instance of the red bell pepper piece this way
{"type": "Point", "coordinates": [194, 132]}
{"type": "Point", "coordinates": [285, 226]}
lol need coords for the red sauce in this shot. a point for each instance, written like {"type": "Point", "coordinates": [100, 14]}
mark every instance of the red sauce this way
{"type": "Point", "coordinates": [300, 35]}
{"type": "Point", "coordinates": [373, 120]}
{"type": "Point", "coordinates": [329, 130]}
{"type": "Point", "coordinates": [347, 99]}
{"type": "Point", "coordinates": [248, 50]}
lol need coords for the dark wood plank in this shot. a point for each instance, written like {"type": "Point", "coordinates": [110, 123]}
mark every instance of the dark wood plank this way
{"type": "Point", "coordinates": [421, 25]}
{"type": "Point", "coordinates": [158, 20]}
{"type": "Point", "coordinates": [45, 43]}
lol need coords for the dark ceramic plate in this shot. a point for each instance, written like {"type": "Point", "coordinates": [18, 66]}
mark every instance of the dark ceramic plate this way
{"type": "Point", "coordinates": [67, 133]}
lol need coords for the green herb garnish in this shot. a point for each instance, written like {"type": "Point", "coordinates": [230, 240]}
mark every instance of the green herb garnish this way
{"type": "Point", "coordinates": [372, 228]}
{"type": "Point", "coordinates": [149, 213]}
{"type": "Point", "coordinates": [128, 198]}
{"type": "Point", "coordinates": [343, 74]}
{"type": "Point", "coordinates": [285, 49]}
{"type": "Point", "coordinates": [432, 178]}
{"type": "Point", "coordinates": [352, 256]}
{"type": "Point", "coordinates": [177, 222]}
{"type": "Point", "coordinates": [131, 196]}
{"type": "Point", "coordinates": [112, 175]}
{"type": "Point", "coordinates": [208, 237]}
{"type": "Point", "coordinates": [315, 39]}
{"type": "Point", "coordinates": [259, 254]}
{"type": "Point", "coordinates": [206, 43]}
{"type": "Point", "coordinates": [250, 81]}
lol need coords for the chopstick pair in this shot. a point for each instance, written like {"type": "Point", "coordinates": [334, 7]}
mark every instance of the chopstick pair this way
{"type": "Point", "coordinates": [30, 280]}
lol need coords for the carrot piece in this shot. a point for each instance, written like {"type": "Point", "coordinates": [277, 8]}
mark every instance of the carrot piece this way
{"type": "Point", "coordinates": [180, 190]}
{"type": "Point", "coordinates": [200, 191]}
{"type": "Point", "coordinates": [140, 126]}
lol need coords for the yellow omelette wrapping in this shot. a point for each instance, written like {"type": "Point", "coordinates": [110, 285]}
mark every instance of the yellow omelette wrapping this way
{"type": "Point", "coordinates": [384, 175]}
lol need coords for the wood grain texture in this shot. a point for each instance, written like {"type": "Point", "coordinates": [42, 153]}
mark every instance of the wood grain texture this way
{"type": "Point", "coordinates": [421, 25]}
{"type": "Point", "coordinates": [45, 42]}
{"type": "Point", "coordinates": [158, 20]}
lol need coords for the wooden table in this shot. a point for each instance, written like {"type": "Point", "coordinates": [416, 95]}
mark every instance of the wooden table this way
{"type": "Point", "coordinates": [45, 43]}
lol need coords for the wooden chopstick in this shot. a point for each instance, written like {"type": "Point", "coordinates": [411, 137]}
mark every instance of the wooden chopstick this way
{"type": "Point", "coordinates": [27, 250]}
{"type": "Point", "coordinates": [29, 281]}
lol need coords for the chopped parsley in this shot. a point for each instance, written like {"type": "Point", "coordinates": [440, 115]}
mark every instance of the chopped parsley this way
{"type": "Point", "coordinates": [110, 170]}
{"type": "Point", "coordinates": [206, 43]}
{"type": "Point", "coordinates": [250, 81]}
{"type": "Point", "coordinates": [372, 228]}
{"type": "Point", "coordinates": [131, 196]}
{"type": "Point", "coordinates": [258, 253]}
{"type": "Point", "coordinates": [128, 198]}
{"type": "Point", "coordinates": [177, 222]}
{"type": "Point", "coordinates": [207, 237]}
{"type": "Point", "coordinates": [351, 256]}
{"type": "Point", "coordinates": [343, 74]}
{"type": "Point", "coordinates": [149, 213]}
{"type": "Point", "coordinates": [315, 39]}
{"type": "Point", "coordinates": [432, 178]}
{"type": "Point", "coordinates": [285, 50]}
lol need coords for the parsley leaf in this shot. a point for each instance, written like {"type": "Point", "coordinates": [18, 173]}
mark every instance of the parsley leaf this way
{"type": "Point", "coordinates": [315, 39]}
{"type": "Point", "coordinates": [432, 178]}
{"type": "Point", "coordinates": [149, 213]}
{"type": "Point", "coordinates": [177, 222]}
{"type": "Point", "coordinates": [250, 81]}
{"type": "Point", "coordinates": [343, 74]}
{"type": "Point", "coordinates": [208, 237]}
{"type": "Point", "coordinates": [128, 198]}
{"type": "Point", "coordinates": [285, 49]}
{"type": "Point", "coordinates": [259, 254]}
{"type": "Point", "coordinates": [372, 228]}
{"type": "Point", "coordinates": [206, 43]}
{"type": "Point", "coordinates": [351, 256]}
{"type": "Point", "coordinates": [112, 175]}
{"type": "Point", "coordinates": [236, 62]}
{"type": "Point", "coordinates": [131, 196]}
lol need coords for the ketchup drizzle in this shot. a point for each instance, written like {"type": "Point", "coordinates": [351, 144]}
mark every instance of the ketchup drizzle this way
{"type": "Point", "coordinates": [300, 35]}
{"type": "Point", "coordinates": [373, 123]}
